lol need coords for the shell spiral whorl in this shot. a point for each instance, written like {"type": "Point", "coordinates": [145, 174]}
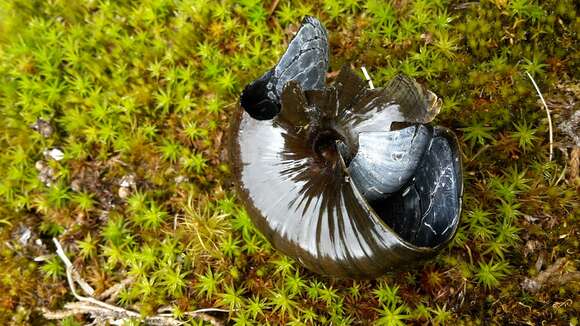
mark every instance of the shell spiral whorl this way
{"type": "Point", "coordinates": [351, 182]}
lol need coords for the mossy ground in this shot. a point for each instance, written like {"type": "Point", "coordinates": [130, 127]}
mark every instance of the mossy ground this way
{"type": "Point", "coordinates": [138, 96]}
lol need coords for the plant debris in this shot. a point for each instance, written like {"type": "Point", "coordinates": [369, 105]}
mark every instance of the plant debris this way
{"type": "Point", "coordinates": [554, 275]}
{"type": "Point", "coordinates": [147, 89]}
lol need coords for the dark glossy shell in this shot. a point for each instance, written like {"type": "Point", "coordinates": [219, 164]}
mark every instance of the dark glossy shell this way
{"type": "Point", "coordinates": [333, 180]}
{"type": "Point", "coordinates": [306, 60]}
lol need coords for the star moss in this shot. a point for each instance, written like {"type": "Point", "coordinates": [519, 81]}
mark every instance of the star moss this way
{"type": "Point", "coordinates": [138, 97]}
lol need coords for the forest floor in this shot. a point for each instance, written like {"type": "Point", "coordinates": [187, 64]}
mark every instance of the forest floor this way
{"type": "Point", "coordinates": [114, 119]}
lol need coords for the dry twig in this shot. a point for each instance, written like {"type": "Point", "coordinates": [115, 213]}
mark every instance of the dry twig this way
{"type": "Point", "coordinates": [547, 113]}
{"type": "Point", "coordinates": [112, 293]}
{"type": "Point", "coordinates": [273, 7]}
{"type": "Point", "coordinates": [575, 164]}
{"type": "Point", "coordinates": [367, 77]}
{"type": "Point", "coordinates": [554, 274]}
{"type": "Point", "coordinates": [103, 312]}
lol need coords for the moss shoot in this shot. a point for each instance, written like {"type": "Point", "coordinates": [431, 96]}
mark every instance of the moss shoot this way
{"type": "Point", "coordinates": [114, 115]}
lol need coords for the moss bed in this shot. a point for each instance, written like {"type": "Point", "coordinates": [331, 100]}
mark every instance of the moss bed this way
{"type": "Point", "coordinates": [114, 118]}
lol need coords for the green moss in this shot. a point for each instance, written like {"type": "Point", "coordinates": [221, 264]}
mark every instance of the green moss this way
{"type": "Point", "coordinates": [147, 90]}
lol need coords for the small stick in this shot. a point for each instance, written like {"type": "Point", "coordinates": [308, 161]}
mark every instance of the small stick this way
{"type": "Point", "coordinates": [71, 283]}
{"type": "Point", "coordinates": [368, 77]}
{"type": "Point", "coordinates": [273, 7]}
{"type": "Point", "coordinates": [69, 266]}
{"type": "Point", "coordinates": [547, 113]}
{"type": "Point", "coordinates": [111, 293]}
{"type": "Point", "coordinates": [210, 310]}
{"type": "Point", "coordinates": [479, 152]}
{"type": "Point", "coordinates": [104, 311]}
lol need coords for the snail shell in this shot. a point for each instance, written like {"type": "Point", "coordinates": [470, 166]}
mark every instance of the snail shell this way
{"type": "Point", "coordinates": [351, 182]}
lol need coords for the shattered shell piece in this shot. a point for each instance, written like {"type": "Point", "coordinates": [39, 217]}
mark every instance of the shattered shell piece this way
{"type": "Point", "coordinates": [305, 60]}
{"type": "Point", "coordinates": [330, 177]}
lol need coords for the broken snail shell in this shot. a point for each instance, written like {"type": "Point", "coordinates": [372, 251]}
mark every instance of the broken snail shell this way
{"type": "Point", "coordinates": [349, 181]}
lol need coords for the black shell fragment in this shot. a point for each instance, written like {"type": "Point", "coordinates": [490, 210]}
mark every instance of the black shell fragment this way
{"type": "Point", "coordinates": [305, 60]}
{"type": "Point", "coordinates": [349, 181]}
